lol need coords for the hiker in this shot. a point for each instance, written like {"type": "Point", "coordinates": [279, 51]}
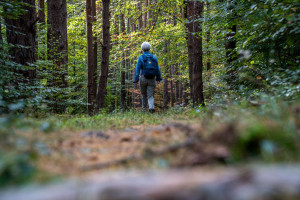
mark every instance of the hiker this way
{"type": "Point", "coordinates": [147, 71]}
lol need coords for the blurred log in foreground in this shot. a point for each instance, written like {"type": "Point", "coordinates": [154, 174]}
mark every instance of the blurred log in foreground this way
{"type": "Point", "coordinates": [257, 183]}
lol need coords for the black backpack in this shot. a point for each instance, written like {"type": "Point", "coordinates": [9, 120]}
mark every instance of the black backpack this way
{"type": "Point", "coordinates": [149, 67]}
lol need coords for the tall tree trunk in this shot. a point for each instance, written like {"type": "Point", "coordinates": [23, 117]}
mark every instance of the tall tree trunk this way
{"type": "Point", "coordinates": [129, 98]}
{"type": "Point", "coordinates": [21, 33]}
{"type": "Point", "coordinates": [140, 18]}
{"type": "Point", "coordinates": [1, 39]}
{"type": "Point", "coordinates": [185, 94]}
{"type": "Point", "coordinates": [190, 41]}
{"type": "Point", "coordinates": [166, 95]}
{"type": "Point", "coordinates": [123, 71]}
{"type": "Point", "coordinates": [41, 11]}
{"type": "Point", "coordinates": [176, 84]}
{"type": "Point", "coordinates": [172, 95]}
{"type": "Point", "coordinates": [95, 46]}
{"type": "Point", "coordinates": [95, 54]}
{"type": "Point", "coordinates": [146, 13]}
{"type": "Point", "coordinates": [105, 55]}
{"type": "Point", "coordinates": [208, 64]}
{"type": "Point", "coordinates": [230, 45]}
{"type": "Point", "coordinates": [91, 68]}
{"type": "Point", "coordinates": [133, 25]}
{"type": "Point", "coordinates": [57, 41]}
{"type": "Point", "coordinates": [150, 13]}
{"type": "Point", "coordinates": [198, 55]}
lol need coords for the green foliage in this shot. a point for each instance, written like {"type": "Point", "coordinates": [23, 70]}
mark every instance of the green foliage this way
{"type": "Point", "coordinates": [266, 130]}
{"type": "Point", "coordinates": [16, 153]}
{"type": "Point", "coordinates": [15, 168]}
{"type": "Point", "coordinates": [268, 142]}
{"type": "Point", "coordinates": [267, 42]}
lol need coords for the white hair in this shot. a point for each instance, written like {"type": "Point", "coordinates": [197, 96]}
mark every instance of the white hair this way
{"type": "Point", "coordinates": [146, 46]}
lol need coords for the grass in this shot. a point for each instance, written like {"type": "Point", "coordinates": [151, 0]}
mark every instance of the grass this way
{"type": "Point", "coordinates": [118, 120]}
{"type": "Point", "coordinates": [265, 133]}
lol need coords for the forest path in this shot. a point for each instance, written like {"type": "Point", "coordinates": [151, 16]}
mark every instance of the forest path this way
{"type": "Point", "coordinates": [138, 147]}
{"type": "Point", "coordinates": [126, 165]}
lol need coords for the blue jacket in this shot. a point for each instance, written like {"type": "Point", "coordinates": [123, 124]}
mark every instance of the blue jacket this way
{"type": "Point", "coordinates": [138, 70]}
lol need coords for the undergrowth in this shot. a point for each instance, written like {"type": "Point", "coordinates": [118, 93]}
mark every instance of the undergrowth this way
{"type": "Point", "coordinates": [267, 131]}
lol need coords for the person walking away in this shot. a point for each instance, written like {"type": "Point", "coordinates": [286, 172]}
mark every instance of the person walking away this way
{"type": "Point", "coordinates": [147, 72]}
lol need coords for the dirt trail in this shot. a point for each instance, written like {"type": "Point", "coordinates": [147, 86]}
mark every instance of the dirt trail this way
{"type": "Point", "coordinates": [161, 146]}
{"type": "Point", "coordinates": [71, 152]}
{"type": "Point", "coordinates": [110, 165]}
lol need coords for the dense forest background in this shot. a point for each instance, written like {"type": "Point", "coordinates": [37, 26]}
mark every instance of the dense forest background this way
{"type": "Point", "coordinates": [70, 63]}
{"type": "Point", "coordinates": [61, 56]}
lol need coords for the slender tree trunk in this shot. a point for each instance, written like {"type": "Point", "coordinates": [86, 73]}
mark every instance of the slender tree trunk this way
{"type": "Point", "coordinates": [133, 25]}
{"type": "Point", "coordinates": [1, 39]}
{"type": "Point", "coordinates": [166, 95]}
{"type": "Point", "coordinates": [105, 55]}
{"type": "Point", "coordinates": [123, 71]}
{"type": "Point", "coordinates": [57, 42]}
{"type": "Point", "coordinates": [140, 18]}
{"type": "Point", "coordinates": [129, 97]}
{"type": "Point", "coordinates": [91, 61]}
{"type": "Point", "coordinates": [198, 55]}
{"type": "Point", "coordinates": [180, 93]}
{"type": "Point", "coordinates": [95, 50]}
{"type": "Point", "coordinates": [176, 85]}
{"type": "Point", "coordinates": [185, 94]}
{"type": "Point", "coordinates": [41, 11]}
{"type": "Point", "coordinates": [21, 33]}
{"type": "Point", "coordinates": [230, 40]}
{"type": "Point", "coordinates": [172, 95]}
{"type": "Point", "coordinates": [230, 45]}
{"type": "Point", "coordinates": [145, 15]}
{"type": "Point", "coordinates": [150, 13]}
{"type": "Point", "coordinates": [190, 28]}
{"type": "Point", "coordinates": [208, 64]}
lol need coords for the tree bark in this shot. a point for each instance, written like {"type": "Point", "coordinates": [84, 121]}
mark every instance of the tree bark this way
{"type": "Point", "coordinates": [95, 50]}
{"type": "Point", "coordinates": [208, 64]}
{"type": "Point", "coordinates": [172, 94]}
{"type": "Point", "coordinates": [140, 18]}
{"type": "Point", "coordinates": [190, 41]}
{"type": "Point", "coordinates": [166, 95]}
{"type": "Point", "coordinates": [150, 13]}
{"type": "Point", "coordinates": [57, 41]}
{"type": "Point", "coordinates": [198, 55]}
{"type": "Point", "coordinates": [230, 40]}
{"type": "Point", "coordinates": [145, 15]}
{"type": "Point", "coordinates": [41, 11]}
{"type": "Point", "coordinates": [230, 45]}
{"type": "Point", "coordinates": [176, 85]}
{"type": "Point", "coordinates": [128, 61]}
{"type": "Point", "coordinates": [91, 85]}
{"type": "Point", "coordinates": [105, 55]}
{"type": "Point", "coordinates": [21, 33]}
{"type": "Point", "coordinates": [1, 39]}
{"type": "Point", "coordinates": [123, 71]}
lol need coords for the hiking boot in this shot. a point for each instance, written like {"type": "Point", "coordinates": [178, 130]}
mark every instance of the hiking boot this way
{"type": "Point", "coordinates": [152, 110]}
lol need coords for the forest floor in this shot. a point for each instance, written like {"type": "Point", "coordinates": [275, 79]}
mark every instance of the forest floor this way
{"type": "Point", "coordinates": [183, 155]}
{"type": "Point", "coordinates": [172, 145]}
{"type": "Point", "coordinates": [188, 138]}
{"type": "Point", "coordinates": [162, 152]}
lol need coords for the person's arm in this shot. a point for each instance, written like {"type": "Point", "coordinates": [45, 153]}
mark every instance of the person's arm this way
{"type": "Point", "coordinates": [137, 70]}
{"type": "Point", "coordinates": [158, 77]}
